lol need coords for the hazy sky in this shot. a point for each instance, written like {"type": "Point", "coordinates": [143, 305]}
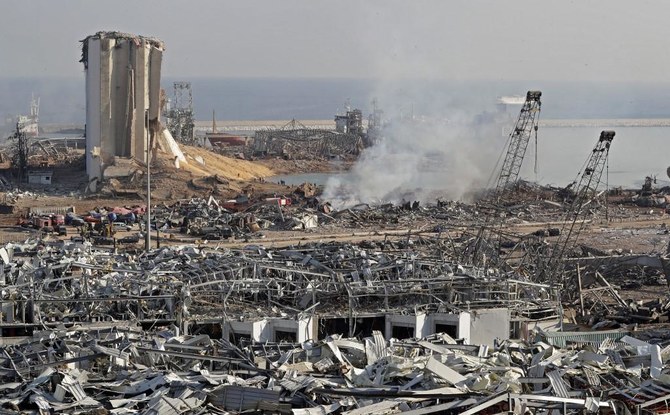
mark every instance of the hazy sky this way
{"type": "Point", "coordinates": [609, 40]}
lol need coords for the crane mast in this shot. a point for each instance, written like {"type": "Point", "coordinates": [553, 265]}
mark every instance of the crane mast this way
{"type": "Point", "coordinates": [518, 142]}
{"type": "Point", "coordinates": [585, 192]}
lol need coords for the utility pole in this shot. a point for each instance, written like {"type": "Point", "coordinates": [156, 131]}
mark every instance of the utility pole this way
{"type": "Point", "coordinates": [20, 152]}
{"type": "Point", "coordinates": [147, 240]}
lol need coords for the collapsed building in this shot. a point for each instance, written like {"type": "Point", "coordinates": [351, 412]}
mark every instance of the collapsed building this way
{"type": "Point", "coordinates": [260, 294]}
{"type": "Point", "coordinates": [321, 328]}
{"type": "Point", "coordinates": [310, 328]}
{"type": "Point", "coordinates": [295, 140]}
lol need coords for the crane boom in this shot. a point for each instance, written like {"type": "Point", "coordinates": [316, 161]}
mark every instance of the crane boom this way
{"type": "Point", "coordinates": [585, 192]}
{"type": "Point", "coordinates": [518, 142]}
{"type": "Point", "coordinates": [509, 173]}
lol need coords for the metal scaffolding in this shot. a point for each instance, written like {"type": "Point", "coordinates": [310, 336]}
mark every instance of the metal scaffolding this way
{"type": "Point", "coordinates": [180, 118]}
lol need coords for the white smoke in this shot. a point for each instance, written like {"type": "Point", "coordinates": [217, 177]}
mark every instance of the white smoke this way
{"type": "Point", "coordinates": [422, 158]}
{"type": "Point", "coordinates": [442, 152]}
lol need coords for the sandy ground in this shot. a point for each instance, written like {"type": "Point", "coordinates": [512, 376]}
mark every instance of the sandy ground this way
{"type": "Point", "coordinates": [202, 162]}
{"type": "Point", "coordinates": [205, 173]}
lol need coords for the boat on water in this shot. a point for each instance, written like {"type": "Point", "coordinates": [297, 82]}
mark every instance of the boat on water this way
{"type": "Point", "coordinates": [29, 124]}
{"type": "Point", "coordinates": [216, 139]}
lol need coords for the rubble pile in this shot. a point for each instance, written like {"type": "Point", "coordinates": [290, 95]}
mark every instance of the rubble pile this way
{"type": "Point", "coordinates": [123, 369]}
{"type": "Point", "coordinates": [306, 143]}
{"type": "Point", "coordinates": [46, 284]}
{"type": "Point", "coordinates": [52, 152]}
{"type": "Point", "coordinates": [66, 281]}
{"type": "Point", "coordinates": [200, 329]}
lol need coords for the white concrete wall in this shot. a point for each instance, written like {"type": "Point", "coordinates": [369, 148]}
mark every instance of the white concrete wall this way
{"type": "Point", "coordinates": [464, 327]}
{"type": "Point", "coordinates": [264, 330]}
{"type": "Point", "coordinates": [488, 325]}
{"type": "Point", "coordinates": [423, 327]}
{"type": "Point", "coordinates": [308, 329]}
{"type": "Point", "coordinates": [39, 179]}
{"type": "Point", "coordinates": [93, 106]}
{"type": "Point", "coordinates": [527, 327]}
{"type": "Point", "coordinates": [261, 331]}
{"type": "Point", "coordinates": [444, 319]}
{"type": "Point", "coordinates": [282, 325]}
{"type": "Point", "coordinates": [245, 328]}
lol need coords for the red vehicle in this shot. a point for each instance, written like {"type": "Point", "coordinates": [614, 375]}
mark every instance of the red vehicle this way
{"type": "Point", "coordinates": [281, 201]}
{"type": "Point", "coordinates": [91, 219]}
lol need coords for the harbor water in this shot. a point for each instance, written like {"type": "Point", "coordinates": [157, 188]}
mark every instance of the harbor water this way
{"type": "Point", "coordinates": [636, 152]}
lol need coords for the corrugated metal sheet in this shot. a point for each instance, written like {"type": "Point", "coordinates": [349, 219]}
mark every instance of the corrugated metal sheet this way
{"type": "Point", "coordinates": [74, 387]}
{"type": "Point", "coordinates": [561, 338]}
{"type": "Point", "coordinates": [239, 398]}
{"type": "Point", "coordinates": [558, 384]}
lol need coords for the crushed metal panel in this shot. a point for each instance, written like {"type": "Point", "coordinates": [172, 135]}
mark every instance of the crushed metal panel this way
{"type": "Point", "coordinates": [561, 338]}
{"type": "Point", "coordinates": [656, 361]}
{"type": "Point", "coordinates": [443, 371]}
{"type": "Point", "coordinates": [318, 410]}
{"type": "Point", "coordinates": [389, 406]}
{"type": "Point", "coordinates": [239, 398]}
{"type": "Point", "coordinates": [74, 387]}
{"type": "Point", "coordinates": [558, 384]}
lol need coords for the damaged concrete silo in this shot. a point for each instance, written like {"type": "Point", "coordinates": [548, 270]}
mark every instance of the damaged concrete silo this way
{"type": "Point", "coordinates": [122, 89]}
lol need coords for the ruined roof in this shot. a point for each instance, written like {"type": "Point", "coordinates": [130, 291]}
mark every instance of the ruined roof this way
{"type": "Point", "coordinates": [153, 41]}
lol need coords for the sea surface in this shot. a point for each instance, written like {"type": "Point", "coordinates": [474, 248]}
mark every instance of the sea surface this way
{"type": "Point", "coordinates": [63, 99]}
{"type": "Point", "coordinates": [636, 151]}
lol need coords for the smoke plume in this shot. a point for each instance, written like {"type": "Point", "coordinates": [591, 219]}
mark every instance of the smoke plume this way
{"type": "Point", "coordinates": [448, 151]}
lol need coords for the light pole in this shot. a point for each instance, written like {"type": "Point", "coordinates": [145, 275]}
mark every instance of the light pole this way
{"type": "Point", "coordinates": [147, 236]}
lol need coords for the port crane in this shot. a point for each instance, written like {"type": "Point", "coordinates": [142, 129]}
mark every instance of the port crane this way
{"type": "Point", "coordinates": [551, 266]}
{"type": "Point", "coordinates": [526, 125]}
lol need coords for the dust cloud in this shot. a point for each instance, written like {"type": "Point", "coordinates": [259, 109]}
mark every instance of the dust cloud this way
{"type": "Point", "coordinates": [448, 153]}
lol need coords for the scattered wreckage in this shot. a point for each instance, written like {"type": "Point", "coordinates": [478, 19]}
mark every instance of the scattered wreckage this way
{"type": "Point", "coordinates": [406, 323]}
{"type": "Point", "coordinates": [188, 330]}
{"type": "Point", "coordinates": [121, 369]}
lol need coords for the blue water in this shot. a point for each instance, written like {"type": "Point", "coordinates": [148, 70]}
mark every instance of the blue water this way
{"type": "Point", "coordinates": [63, 99]}
{"type": "Point", "coordinates": [249, 99]}
{"type": "Point", "coordinates": [636, 152]}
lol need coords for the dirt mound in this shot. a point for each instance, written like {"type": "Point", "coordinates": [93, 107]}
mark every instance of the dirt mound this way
{"type": "Point", "coordinates": [204, 173]}
{"type": "Point", "coordinates": [202, 162]}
